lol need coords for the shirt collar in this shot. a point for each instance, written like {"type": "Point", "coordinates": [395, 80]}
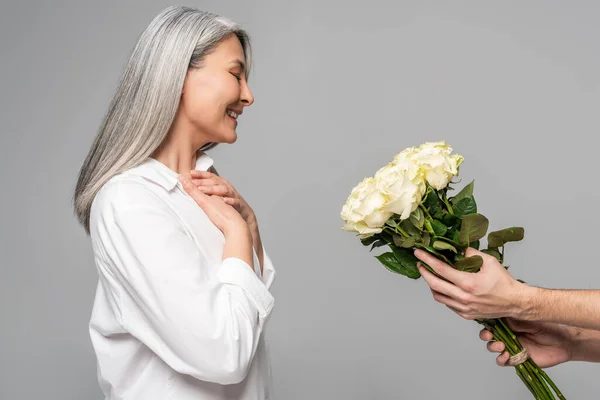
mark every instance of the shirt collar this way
{"type": "Point", "coordinates": [159, 173]}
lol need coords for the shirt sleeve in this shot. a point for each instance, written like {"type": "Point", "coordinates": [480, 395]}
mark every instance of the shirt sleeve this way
{"type": "Point", "coordinates": [202, 320]}
{"type": "Point", "coordinates": [268, 275]}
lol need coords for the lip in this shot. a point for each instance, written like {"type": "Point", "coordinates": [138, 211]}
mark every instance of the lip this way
{"type": "Point", "coordinates": [238, 112]}
{"type": "Point", "coordinates": [235, 121]}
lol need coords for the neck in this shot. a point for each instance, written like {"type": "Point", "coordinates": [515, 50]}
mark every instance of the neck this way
{"type": "Point", "coordinates": [178, 151]}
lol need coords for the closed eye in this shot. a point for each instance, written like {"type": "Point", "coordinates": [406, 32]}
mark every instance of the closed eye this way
{"type": "Point", "coordinates": [236, 76]}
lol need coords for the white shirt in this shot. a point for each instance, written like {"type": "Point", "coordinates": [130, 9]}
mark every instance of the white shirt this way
{"type": "Point", "coordinates": [171, 318]}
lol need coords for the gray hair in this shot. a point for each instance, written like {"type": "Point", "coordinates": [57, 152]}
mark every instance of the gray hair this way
{"type": "Point", "coordinates": [148, 95]}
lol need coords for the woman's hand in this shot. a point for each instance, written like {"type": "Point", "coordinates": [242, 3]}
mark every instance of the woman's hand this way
{"type": "Point", "coordinates": [212, 184]}
{"type": "Point", "coordinates": [223, 215]}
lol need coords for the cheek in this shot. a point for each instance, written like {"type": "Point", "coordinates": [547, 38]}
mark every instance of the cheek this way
{"type": "Point", "coordinates": [210, 100]}
{"type": "Point", "coordinates": [199, 106]}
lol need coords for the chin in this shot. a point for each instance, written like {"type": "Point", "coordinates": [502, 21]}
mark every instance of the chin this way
{"type": "Point", "coordinates": [230, 139]}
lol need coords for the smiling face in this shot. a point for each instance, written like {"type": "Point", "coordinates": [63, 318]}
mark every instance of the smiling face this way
{"type": "Point", "coordinates": [215, 94]}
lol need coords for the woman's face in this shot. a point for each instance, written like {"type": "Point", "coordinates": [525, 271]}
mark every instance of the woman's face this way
{"type": "Point", "coordinates": [215, 94]}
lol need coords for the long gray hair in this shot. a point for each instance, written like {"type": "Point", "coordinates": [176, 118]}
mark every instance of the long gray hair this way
{"type": "Point", "coordinates": [147, 97]}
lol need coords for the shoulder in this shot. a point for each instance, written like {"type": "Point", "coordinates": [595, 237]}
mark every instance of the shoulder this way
{"type": "Point", "coordinates": [125, 192]}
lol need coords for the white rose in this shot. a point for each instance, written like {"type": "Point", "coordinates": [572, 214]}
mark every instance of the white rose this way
{"type": "Point", "coordinates": [438, 166]}
{"type": "Point", "coordinates": [405, 158]}
{"type": "Point", "coordinates": [364, 209]}
{"type": "Point", "coordinates": [403, 184]}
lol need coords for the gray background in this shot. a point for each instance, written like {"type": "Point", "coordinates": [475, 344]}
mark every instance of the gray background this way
{"type": "Point", "coordinates": [340, 88]}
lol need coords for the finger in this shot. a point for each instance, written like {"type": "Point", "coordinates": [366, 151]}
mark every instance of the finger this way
{"type": "Point", "coordinates": [192, 190]}
{"type": "Point", "coordinates": [442, 268]}
{"type": "Point", "coordinates": [439, 285]}
{"type": "Point", "coordinates": [502, 359]}
{"type": "Point", "coordinates": [488, 260]}
{"type": "Point", "coordinates": [232, 202]}
{"type": "Point", "coordinates": [205, 182]}
{"type": "Point", "coordinates": [215, 190]}
{"type": "Point", "coordinates": [486, 335]}
{"type": "Point", "coordinates": [462, 313]}
{"type": "Point", "coordinates": [474, 252]}
{"type": "Point", "coordinates": [495, 347]}
{"type": "Point", "coordinates": [202, 174]}
{"type": "Point", "coordinates": [452, 304]}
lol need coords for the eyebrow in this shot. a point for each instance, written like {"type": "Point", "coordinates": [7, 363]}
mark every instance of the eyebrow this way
{"type": "Point", "coordinates": [240, 63]}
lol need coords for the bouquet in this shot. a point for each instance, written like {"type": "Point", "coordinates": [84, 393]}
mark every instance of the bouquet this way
{"type": "Point", "coordinates": [406, 205]}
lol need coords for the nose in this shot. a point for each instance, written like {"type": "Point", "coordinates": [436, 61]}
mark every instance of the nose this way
{"type": "Point", "coordinates": [247, 97]}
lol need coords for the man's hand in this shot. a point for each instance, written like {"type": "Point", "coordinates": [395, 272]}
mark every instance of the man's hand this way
{"type": "Point", "coordinates": [490, 293]}
{"type": "Point", "coordinates": [547, 344]}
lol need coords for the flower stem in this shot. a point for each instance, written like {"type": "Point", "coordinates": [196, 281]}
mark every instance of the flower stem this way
{"type": "Point", "coordinates": [402, 231]}
{"type": "Point", "coordinates": [447, 203]}
{"type": "Point", "coordinates": [425, 211]}
{"type": "Point", "coordinates": [535, 379]}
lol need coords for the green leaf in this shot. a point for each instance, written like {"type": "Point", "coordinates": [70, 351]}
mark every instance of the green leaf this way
{"type": "Point", "coordinates": [475, 244]}
{"type": "Point", "coordinates": [406, 242]}
{"type": "Point", "coordinates": [410, 228]}
{"type": "Point", "coordinates": [408, 261]}
{"type": "Point", "coordinates": [438, 227]}
{"type": "Point", "coordinates": [426, 238]}
{"type": "Point", "coordinates": [494, 253]}
{"type": "Point", "coordinates": [440, 245]}
{"type": "Point", "coordinates": [434, 204]}
{"type": "Point", "coordinates": [450, 220]}
{"type": "Point", "coordinates": [456, 236]}
{"type": "Point", "coordinates": [454, 244]}
{"type": "Point", "coordinates": [469, 264]}
{"type": "Point", "coordinates": [378, 243]}
{"type": "Point", "coordinates": [417, 218]}
{"type": "Point", "coordinates": [501, 237]}
{"type": "Point", "coordinates": [464, 207]}
{"type": "Point", "coordinates": [391, 223]}
{"type": "Point", "coordinates": [392, 263]}
{"type": "Point", "coordinates": [387, 237]}
{"type": "Point", "coordinates": [473, 227]}
{"type": "Point", "coordinates": [436, 253]}
{"type": "Point", "coordinates": [369, 240]}
{"type": "Point", "coordinates": [467, 191]}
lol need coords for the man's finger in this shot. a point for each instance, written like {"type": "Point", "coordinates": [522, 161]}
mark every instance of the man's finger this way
{"type": "Point", "coordinates": [474, 252]}
{"type": "Point", "coordinates": [486, 335]}
{"type": "Point", "coordinates": [502, 359]}
{"type": "Point", "coordinates": [449, 302]}
{"type": "Point", "coordinates": [439, 285]}
{"type": "Point", "coordinates": [495, 347]}
{"type": "Point", "coordinates": [441, 267]}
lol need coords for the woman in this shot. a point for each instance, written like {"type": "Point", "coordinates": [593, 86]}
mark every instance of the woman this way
{"type": "Point", "coordinates": [183, 294]}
